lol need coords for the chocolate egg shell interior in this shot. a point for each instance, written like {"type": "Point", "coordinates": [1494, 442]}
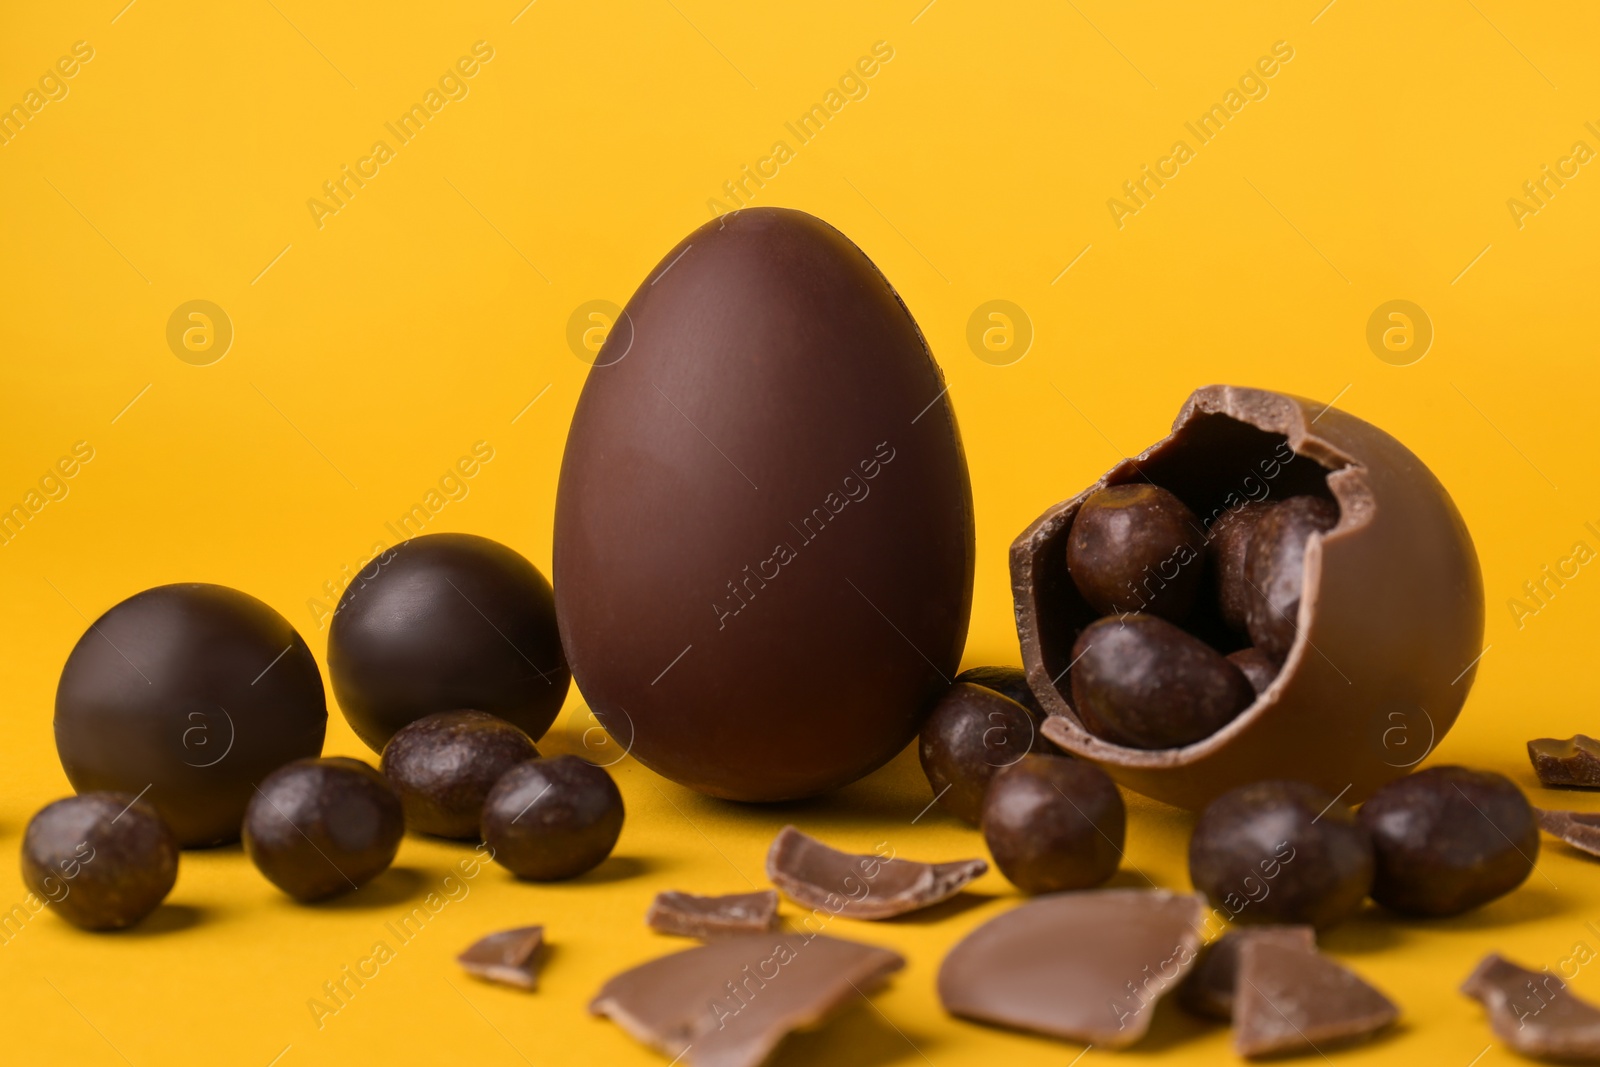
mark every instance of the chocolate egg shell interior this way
{"type": "Point", "coordinates": [1391, 616]}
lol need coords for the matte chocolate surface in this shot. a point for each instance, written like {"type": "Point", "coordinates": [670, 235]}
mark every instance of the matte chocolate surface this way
{"type": "Point", "coordinates": [444, 765]}
{"type": "Point", "coordinates": [764, 531]}
{"type": "Point", "coordinates": [710, 917]}
{"type": "Point", "coordinates": [195, 692]}
{"type": "Point", "coordinates": [318, 828]}
{"type": "Point", "coordinates": [1291, 999]}
{"type": "Point", "coordinates": [1393, 602]}
{"type": "Point", "coordinates": [1209, 989]}
{"type": "Point", "coordinates": [102, 861]}
{"type": "Point", "coordinates": [1136, 547]}
{"type": "Point", "coordinates": [729, 1003]}
{"type": "Point", "coordinates": [1086, 966]}
{"type": "Point", "coordinates": [974, 733]}
{"type": "Point", "coordinates": [1054, 823]}
{"type": "Point", "coordinates": [1573, 763]}
{"type": "Point", "coordinates": [509, 957]}
{"type": "Point", "coordinates": [449, 621]}
{"type": "Point", "coordinates": [1534, 1012]}
{"type": "Point", "coordinates": [874, 886]}
{"type": "Point", "coordinates": [1580, 829]}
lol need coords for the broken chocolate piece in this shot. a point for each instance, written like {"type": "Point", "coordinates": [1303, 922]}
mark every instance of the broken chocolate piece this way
{"type": "Point", "coordinates": [1534, 1012]}
{"type": "Point", "coordinates": [1294, 999]}
{"type": "Point", "coordinates": [1580, 829]}
{"type": "Point", "coordinates": [508, 957]}
{"type": "Point", "coordinates": [708, 917]}
{"type": "Point", "coordinates": [729, 1003]}
{"type": "Point", "coordinates": [1209, 989]}
{"type": "Point", "coordinates": [874, 886]}
{"type": "Point", "coordinates": [1570, 764]}
{"type": "Point", "coordinates": [1086, 966]}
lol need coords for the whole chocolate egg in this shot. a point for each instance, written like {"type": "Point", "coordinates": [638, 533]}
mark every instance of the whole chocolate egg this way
{"type": "Point", "coordinates": [186, 696]}
{"type": "Point", "coordinates": [1386, 627]}
{"type": "Point", "coordinates": [763, 530]}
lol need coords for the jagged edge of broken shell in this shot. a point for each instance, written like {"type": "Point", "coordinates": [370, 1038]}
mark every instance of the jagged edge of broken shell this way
{"type": "Point", "coordinates": [1279, 413]}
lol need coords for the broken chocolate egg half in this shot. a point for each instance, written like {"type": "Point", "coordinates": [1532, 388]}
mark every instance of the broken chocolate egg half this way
{"type": "Point", "coordinates": [1386, 631]}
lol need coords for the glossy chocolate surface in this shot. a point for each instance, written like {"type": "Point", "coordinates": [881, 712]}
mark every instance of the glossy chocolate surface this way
{"type": "Point", "coordinates": [320, 828]}
{"type": "Point", "coordinates": [973, 734]}
{"type": "Point", "coordinates": [450, 621]}
{"type": "Point", "coordinates": [552, 819]}
{"type": "Point", "coordinates": [444, 765]}
{"type": "Point", "coordinates": [194, 692]}
{"type": "Point", "coordinates": [102, 861]}
{"type": "Point", "coordinates": [764, 536]}
{"type": "Point", "coordinates": [1054, 823]}
{"type": "Point", "coordinates": [1393, 600]}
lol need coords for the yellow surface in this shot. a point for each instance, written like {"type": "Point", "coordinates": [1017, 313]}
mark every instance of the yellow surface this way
{"type": "Point", "coordinates": [373, 345]}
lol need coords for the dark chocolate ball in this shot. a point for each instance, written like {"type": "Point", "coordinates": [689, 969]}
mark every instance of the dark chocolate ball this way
{"type": "Point", "coordinates": [321, 827]}
{"type": "Point", "coordinates": [194, 692]}
{"type": "Point", "coordinates": [1449, 839]}
{"type": "Point", "coordinates": [1228, 545]}
{"type": "Point", "coordinates": [972, 733]}
{"type": "Point", "coordinates": [1258, 668]}
{"type": "Point", "coordinates": [1007, 681]}
{"type": "Point", "coordinates": [1136, 548]}
{"type": "Point", "coordinates": [550, 819]}
{"type": "Point", "coordinates": [443, 766]}
{"type": "Point", "coordinates": [103, 861]}
{"type": "Point", "coordinates": [1275, 568]}
{"type": "Point", "coordinates": [1281, 852]}
{"type": "Point", "coordinates": [1054, 823]}
{"type": "Point", "coordinates": [1142, 682]}
{"type": "Point", "coordinates": [450, 621]}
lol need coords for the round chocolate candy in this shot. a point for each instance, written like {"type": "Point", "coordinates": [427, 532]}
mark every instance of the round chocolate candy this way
{"type": "Point", "coordinates": [550, 819]}
{"type": "Point", "coordinates": [321, 827]}
{"type": "Point", "coordinates": [449, 621]}
{"type": "Point", "coordinates": [1449, 839]}
{"type": "Point", "coordinates": [1228, 545]}
{"type": "Point", "coordinates": [973, 733]}
{"type": "Point", "coordinates": [192, 692]}
{"type": "Point", "coordinates": [1134, 548]}
{"type": "Point", "coordinates": [1054, 823]}
{"type": "Point", "coordinates": [1275, 569]}
{"type": "Point", "coordinates": [1257, 667]}
{"type": "Point", "coordinates": [1281, 852]}
{"type": "Point", "coordinates": [444, 765]}
{"type": "Point", "coordinates": [1142, 682]}
{"type": "Point", "coordinates": [103, 861]}
{"type": "Point", "coordinates": [1391, 606]}
{"type": "Point", "coordinates": [1007, 681]}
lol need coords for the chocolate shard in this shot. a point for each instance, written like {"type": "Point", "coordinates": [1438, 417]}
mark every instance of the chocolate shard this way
{"type": "Point", "coordinates": [1580, 829]}
{"type": "Point", "coordinates": [708, 917]}
{"type": "Point", "coordinates": [1570, 764]}
{"type": "Point", "coordinates": [1209, 989]}
{"type": "Point", "coordinates": [509, 957]}
{"type": "Point", "coordinates": [1534, 1012]}
{"type": "Point", "coordinates": [874, 886]}
{"type": "Point", "coordinates": [1086, 966]}
{"type": "Point", "coordinates": [1292, 999]}
{"type": "Point", "coordinates": [729, 1003]}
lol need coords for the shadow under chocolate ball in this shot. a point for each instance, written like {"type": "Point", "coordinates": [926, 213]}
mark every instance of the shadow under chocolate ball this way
{"type": "Point", "coordinates": [446, 621]}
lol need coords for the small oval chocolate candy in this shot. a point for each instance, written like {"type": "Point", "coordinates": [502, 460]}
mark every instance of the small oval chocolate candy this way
{"type": "Point", "coordinates": [318, 828]}
{"type": "Point", "coordinates": [971, 735]}
{"type": "Point", "coordinates": [550, 819]}
{"type": "Point", "coordinates": [1228, 545]}
{"type": "Point", "coordinates": [1134, 548]}
{"type": "Point", "coordinates": [1142, 682]}
{"type": "Point", "coordinates": [1257, 667]}
{"type": "Point", "coordinates": [1281, 852]}
{"type": "Point", "coordinates": [1053, 823]}
{"type": "Point", "coordinates": [102, 861]}
{"type": "Point", "coordinates": [1449, 839]}
{"type": "Point", "coordinates": [1275, 568]}
{"type": "Point", "coordinates": [443, 766]}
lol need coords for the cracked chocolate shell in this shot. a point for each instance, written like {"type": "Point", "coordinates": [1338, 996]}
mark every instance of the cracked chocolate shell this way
{"type": "Point", "coordinates": [1389, 626]}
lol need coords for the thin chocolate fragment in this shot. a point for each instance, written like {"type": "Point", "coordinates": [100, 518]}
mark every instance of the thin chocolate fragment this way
{"type": "Point", "coordinates": [1209, 989]}
{"type": "Point", "coordinates": [1291, 999]}
{"type": "Point", "coordinates": [1534, 1012]}
{"type": "Point", "coordinates": [1085, 966]}
{"type": "Point", "coordinates": [874, 886]}
{"type": "Point", "coordinates": [1580, 829]}
{"type": "Point", "coordinates": [1570, 764]}
{"type": "Point", "coordinates": [729, 1003]}
{"type": "Point", "coordinates": [508, 957]}
{"type": "Point", "coordinates": [708, 917]}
